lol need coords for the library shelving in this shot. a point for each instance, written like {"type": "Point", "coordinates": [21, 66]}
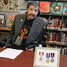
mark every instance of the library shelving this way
{"type": "Point", "coordinates": [56, 14]}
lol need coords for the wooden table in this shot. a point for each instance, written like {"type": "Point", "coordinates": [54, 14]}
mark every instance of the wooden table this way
{"type": "Point", "coordinates": [25, 59]}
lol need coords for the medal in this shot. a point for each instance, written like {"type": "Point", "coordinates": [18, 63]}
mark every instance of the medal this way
{"type": "Point", "coordinates": [47, 56]}
{"type": "Point", "coordinates": [47, 61]}
{"type": "Point", "coordinates": [52, 56]}
{"type": "Point", "coordinates": [41, 55]}
{"type": "Point", "coordinates": [52, 60]}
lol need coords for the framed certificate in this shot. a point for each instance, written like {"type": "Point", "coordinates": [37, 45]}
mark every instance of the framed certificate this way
{"type": "Point", "coordinates": [46, 57]}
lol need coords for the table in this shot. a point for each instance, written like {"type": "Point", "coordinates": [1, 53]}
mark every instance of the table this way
{"type": "Point", "coordinates": [25, 59]}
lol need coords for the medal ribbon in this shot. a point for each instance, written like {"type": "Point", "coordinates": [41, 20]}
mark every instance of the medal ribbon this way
{"type": "Point", "coordinates": [41, 53]}
{"type": "Point", "coordinates": [52, 55]}
{"type": "Point", "coordinates": [47, 55]}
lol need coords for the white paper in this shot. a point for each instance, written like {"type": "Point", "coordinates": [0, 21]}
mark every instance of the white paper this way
{"type": "Point", "coordinates": [10, 53]}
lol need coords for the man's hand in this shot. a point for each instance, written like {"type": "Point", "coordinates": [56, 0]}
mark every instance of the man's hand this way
{"type": "Point", "coordinates": [31, 49]}
{"type": "Point", "coordinates": [4, 47]}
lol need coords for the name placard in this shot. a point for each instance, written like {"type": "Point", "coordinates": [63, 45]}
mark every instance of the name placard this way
{"type": "Point", "coordinates": [46, 57]}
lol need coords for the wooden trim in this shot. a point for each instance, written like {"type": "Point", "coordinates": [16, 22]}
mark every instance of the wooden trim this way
{"type": "Point", "coordinates": [5, 28]}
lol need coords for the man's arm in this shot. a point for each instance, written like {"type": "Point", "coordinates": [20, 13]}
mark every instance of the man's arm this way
{"type": "Point", "coordinates": [9, 38]}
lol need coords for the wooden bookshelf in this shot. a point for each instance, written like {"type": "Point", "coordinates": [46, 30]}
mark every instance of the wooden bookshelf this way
{"type": "Point", "coordinates": [4, 29]}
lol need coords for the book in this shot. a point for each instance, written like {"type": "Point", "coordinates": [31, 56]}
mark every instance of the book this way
{"type": "Point", "coordinates": [65, 51]}
{"type": "Point", "coordinates": [44, 6]}
{"type": "Point", "coordinates": [56, 8]}
{"type": "Point", "coordinates": [65, 40]}
{"type": "Point", "coordinates": [65, 8]}
{"type": "Point", "coordinates": [62, 37]}
{"type": "Point", "coordinates": [10, 20]}
{"type": "Point", "coordinates": [65, 23]}
{"type": "Point", "coordinates": [53, 36]}
{"type": "Point", "coordinates": [58, 36]}
{"type": "Point", "coordinates": [50, 36]}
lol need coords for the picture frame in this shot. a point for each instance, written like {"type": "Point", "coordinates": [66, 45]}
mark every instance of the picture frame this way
{"type": "Point", "coordinates": [10, 20]}
{"type": "Point", "coordinates": [46, 57]}
{"type": "Point", "coordinates": [2, 19]}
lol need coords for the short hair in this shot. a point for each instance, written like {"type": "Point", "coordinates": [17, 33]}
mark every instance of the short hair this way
{"type": "Point", "coordinates": [33, 3]}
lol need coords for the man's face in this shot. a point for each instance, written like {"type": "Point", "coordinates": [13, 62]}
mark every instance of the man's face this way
{"type": "Point", "coordinates": [32, 12]}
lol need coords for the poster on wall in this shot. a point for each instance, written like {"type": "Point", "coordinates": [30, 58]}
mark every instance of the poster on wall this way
{"type": "Point", "coordinates": [10, 20]}
{"type": "Point", "coordinates": [9, 5]}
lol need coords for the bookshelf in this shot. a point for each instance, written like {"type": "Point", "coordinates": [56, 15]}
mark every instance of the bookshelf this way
{"type": "Point", "coordinates": [5, 28]}
{"type": "Point", "coordinates": [57, 27]}
{"type": "Point", "coordinates": [4, 31]}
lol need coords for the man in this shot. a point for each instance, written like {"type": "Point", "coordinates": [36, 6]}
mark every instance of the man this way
{"type": "Point", "coordinates": [28, 28]}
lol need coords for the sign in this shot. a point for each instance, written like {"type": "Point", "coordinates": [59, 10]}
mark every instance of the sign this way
{"type": "Point", "coordinates": [46, 57]}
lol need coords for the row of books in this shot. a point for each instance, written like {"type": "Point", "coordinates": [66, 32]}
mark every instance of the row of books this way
{"type": "Point", "coordinates": [58, 38]}
{"type": "Point", "coordinates": [53, 7]}
{"type": "Point", "coordinates": [8, 21]}
{"type": "Point", "coordinates": [63, 50]}
{"type": "Point", "coordinates": [57, 23]}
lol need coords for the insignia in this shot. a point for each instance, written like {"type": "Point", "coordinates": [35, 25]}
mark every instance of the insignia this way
{"type": "Point", "coordinates": [21, 20]}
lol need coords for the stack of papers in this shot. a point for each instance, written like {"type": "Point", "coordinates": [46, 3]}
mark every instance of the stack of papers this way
{"type": "Point", "coordinates": [10, 53]}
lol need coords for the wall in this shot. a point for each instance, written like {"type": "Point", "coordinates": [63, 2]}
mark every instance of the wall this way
{"type": "Point", "coordinates": [22, 5]}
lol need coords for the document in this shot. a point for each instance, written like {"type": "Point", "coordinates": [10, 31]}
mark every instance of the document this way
{"type": "Point", "coordinates": [10, 53]}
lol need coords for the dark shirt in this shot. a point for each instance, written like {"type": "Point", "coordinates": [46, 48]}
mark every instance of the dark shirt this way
{"type": "Point", "coordinates": [25, 31]}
